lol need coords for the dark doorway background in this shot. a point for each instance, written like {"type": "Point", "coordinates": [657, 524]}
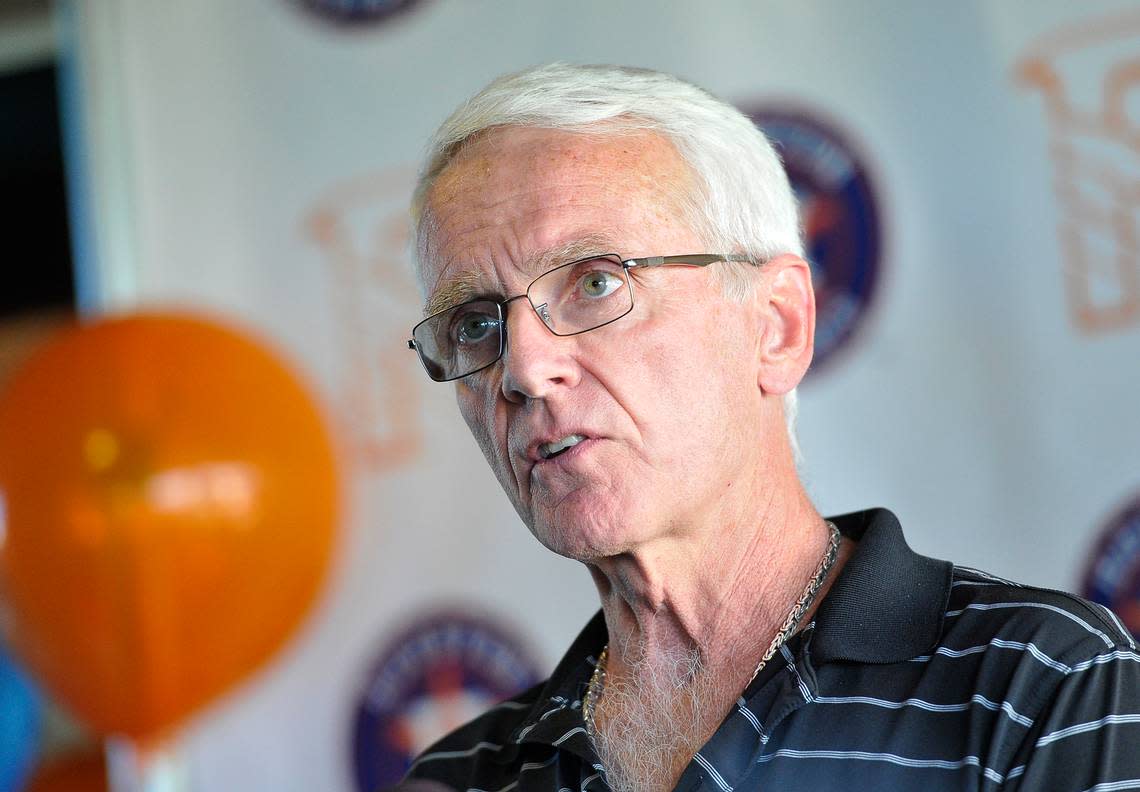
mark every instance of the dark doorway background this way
{"type": "Point", "coordinates": [36, 247]}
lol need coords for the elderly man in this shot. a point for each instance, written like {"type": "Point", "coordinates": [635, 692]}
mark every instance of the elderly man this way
{"type": "Point", "coordinates": [616, 287]}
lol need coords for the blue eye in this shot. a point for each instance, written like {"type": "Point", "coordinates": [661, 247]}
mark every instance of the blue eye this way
{"type": "Point", "coordinates": [474, 327]}
{"type": "Point", "coordinates": [599, 283]}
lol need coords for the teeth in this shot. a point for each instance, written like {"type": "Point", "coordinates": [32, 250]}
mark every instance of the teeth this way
{"type": "Point", "coordinates": [548, 450]}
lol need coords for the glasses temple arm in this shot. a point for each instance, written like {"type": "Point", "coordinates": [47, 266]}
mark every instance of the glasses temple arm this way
{"type": "Point", "coordinates": [695, 260]}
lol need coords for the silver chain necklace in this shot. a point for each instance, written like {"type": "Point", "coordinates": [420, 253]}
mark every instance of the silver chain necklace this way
{"type": "Point", "coordinates": [805, 600]}
{"type": "Point", "coordinates": [597, 682]}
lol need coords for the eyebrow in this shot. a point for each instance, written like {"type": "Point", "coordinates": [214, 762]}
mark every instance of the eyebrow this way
{"type": "Point", "coordinates": [469, 283]}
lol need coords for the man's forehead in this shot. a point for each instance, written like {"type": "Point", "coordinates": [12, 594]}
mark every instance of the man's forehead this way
{"type": "Point", "coordinates": [514, 161]}
{"type": "Point", "coordinates": [467, 280]}
{"type": "Point", "coordinates": [501, 159]}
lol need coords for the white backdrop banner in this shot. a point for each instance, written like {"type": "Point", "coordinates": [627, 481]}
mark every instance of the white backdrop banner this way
{"type": "Point", "coordinates": [970, 177]}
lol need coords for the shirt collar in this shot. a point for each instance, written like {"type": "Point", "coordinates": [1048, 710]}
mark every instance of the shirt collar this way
{"type": "Point", "coordinates": [888, 602]}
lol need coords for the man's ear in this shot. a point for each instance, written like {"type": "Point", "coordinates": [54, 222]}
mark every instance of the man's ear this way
{"type": "Point", "coordinates": [787, 335]}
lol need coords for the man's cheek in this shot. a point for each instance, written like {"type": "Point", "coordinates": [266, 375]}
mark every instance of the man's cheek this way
{"type": "Point", "coordinates": [480, 422]}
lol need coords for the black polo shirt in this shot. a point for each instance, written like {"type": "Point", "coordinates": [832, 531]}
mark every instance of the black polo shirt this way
{"type": "Point", "coordinates": [914, 674]}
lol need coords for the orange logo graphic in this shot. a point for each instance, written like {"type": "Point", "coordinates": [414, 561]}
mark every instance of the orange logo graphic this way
{"type": "Point", "coordinates": [361, 228]}
{"type": "Point", "coordinates": [1089, 75]}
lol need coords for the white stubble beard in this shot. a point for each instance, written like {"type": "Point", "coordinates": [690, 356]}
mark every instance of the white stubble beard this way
{"type": "Point", "coordinates": [654, 720]}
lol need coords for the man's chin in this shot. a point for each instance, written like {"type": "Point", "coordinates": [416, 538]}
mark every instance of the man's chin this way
{"type": "Point", "coordinates": [585, 524]}
{"type": "Point", "coordinates": [584, 540]}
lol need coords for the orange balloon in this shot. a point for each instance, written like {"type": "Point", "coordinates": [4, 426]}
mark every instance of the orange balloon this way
{"type": "Point", "coordinates": [169, 503]}
{"type": "Point", "coordinates": [80, 772]}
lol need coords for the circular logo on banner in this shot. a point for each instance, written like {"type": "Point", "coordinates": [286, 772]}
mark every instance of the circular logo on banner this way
{"type": "Point", "coordinates": [840, 218]}
{"type": "Point", "coordinates": [1113, 574]}
{"type": "Point", "coordinates": [442, 672]}
{"type": "Point", "coordinates": [350, 11]}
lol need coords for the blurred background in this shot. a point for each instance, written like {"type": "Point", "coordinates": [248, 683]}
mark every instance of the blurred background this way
{"type": "Point", "coordinates": [970, 180]}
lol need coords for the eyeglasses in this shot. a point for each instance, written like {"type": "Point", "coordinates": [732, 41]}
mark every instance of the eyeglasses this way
{"type": "Point", "coordinates": [569, 299]}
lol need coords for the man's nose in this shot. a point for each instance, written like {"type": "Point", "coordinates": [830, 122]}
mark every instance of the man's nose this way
{"type": "Point", "coordinates": [535, 361]}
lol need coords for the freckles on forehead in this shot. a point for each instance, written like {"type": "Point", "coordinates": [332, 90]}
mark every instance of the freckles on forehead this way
{"type": "Point", "coordinates": [468, 172]}
{"type": "Point", "coordinates": [456, 208]}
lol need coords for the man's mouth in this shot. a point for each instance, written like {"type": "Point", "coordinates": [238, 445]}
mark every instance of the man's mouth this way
{"type": "Point", "coordinates": [551, 450]}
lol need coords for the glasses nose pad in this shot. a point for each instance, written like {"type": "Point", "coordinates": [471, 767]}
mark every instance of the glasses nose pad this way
{"type": "Point", "coordinates": [543, 312]}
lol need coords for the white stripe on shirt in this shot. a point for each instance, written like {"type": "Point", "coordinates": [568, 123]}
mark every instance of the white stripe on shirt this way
{"type": "Point", "coordinates": [712, 771]}
{"type": "Point", "coordinates": [1004, 706]}
{"type": "Point", "coordinates": [431, 757]}
{"type": "Point", "coordinates": [1081, 728]}
{"type": "Point", "coordinates": [939, 764]}
{"type": "Point", "coordinates": [1054, 608]}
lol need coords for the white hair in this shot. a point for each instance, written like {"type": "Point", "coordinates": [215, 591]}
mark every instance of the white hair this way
{"type": "Point", "coordinates": [740, 200]}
